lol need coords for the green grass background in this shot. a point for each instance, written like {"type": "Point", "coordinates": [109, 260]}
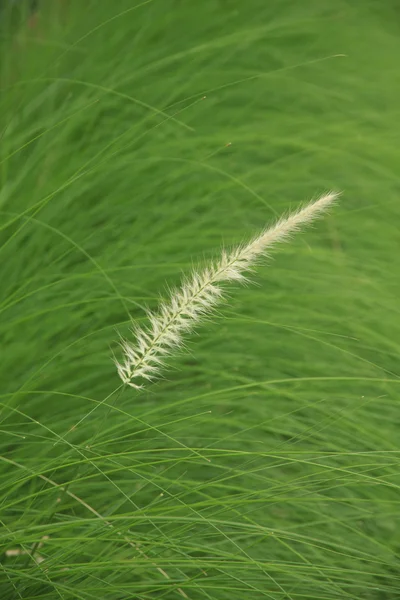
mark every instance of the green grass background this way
{"type": "Point", "coordinates": [265, 464]}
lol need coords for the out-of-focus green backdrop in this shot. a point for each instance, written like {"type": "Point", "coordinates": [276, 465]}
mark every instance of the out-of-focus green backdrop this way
{"type": "Point", "coordinates": [137, 138]}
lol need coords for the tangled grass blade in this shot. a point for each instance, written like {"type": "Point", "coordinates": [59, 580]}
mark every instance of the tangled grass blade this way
{"type": "Point", "coordinates": [199, 294]}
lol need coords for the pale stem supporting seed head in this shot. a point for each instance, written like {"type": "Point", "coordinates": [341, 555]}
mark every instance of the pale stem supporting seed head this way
{"type": "Point", "coordinates": [199, 294]}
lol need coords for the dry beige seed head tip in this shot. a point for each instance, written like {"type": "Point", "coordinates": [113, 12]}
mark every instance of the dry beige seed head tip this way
{"type": "Point", "coordinates": [199, 294]}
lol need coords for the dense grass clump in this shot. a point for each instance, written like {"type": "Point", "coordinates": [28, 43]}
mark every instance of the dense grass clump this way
{"type": "Point", "coordinates": [136, 139]}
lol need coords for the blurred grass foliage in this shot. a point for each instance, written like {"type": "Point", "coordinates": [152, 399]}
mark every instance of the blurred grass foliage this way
{"type": "Point", "coordinates": [136, 139]}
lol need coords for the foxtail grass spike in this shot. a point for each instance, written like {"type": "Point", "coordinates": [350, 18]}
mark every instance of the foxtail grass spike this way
{"type": "Point", "coordinates": [199, 294]}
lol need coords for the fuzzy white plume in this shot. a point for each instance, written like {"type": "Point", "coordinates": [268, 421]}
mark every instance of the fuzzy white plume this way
{"type": "Point", "coordinates": [199, 294]}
